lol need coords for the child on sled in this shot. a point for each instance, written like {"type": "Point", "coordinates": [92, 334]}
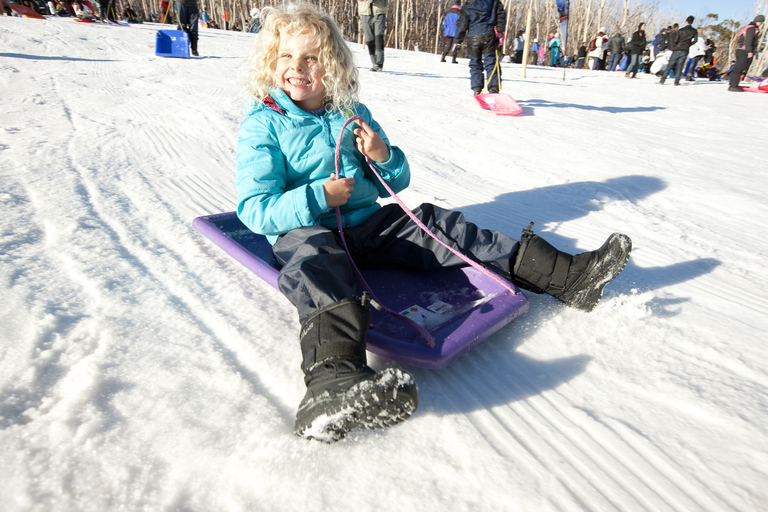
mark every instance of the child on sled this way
{"type": "Point", "coordinates": [303, 83]}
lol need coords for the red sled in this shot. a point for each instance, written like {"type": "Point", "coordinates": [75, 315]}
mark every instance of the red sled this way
{"type": "Point", "coordinates": [499, 104]}
{"type": "Point", "coordinates": [761, 87]}
{"type": "Point", "coordinates": [26, 12]}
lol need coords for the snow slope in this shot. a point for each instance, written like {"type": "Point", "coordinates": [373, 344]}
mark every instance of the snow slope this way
{"type": "Point", "coordinates": [143, 369]}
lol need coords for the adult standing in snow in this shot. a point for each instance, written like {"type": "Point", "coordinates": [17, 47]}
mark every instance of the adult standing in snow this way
{"type": "Point", "coordinates": [695, 53]}
{"type": "Point", "coordinates": [373, 16]}
{"type": "Point", "coordinates": [254, 24]}
{"type": "Point", "coordinates": [636, 49]}
{"type": "Point", "coordinates": [554, 50]}
{"type": "Point", "coordinates": [596, 54]}
{"type": "Point", "coordinates": [746, 46]}
{"type": "Point", "coordinates": [519, 47]}
{"type": "Point", "coordinates": [303, 86]}
{"type": "Point", "coordinates": [451, 23]}
{"type": "Point", "coordinates": [107, 10]}
{"type": "Point", "coordinates": [581, 56]}
{"type": "Point", "coordinates": [616, 47]}
{"type": "Point", "coordinates": [187, 15]}
{"type": "Point", "coordinates": [484, 24]}
{"type": "Point", "coordinates": [680, 42]}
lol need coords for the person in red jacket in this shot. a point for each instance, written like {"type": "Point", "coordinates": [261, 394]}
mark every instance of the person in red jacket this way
{"type": "Point", "coordinates": [745, 51]}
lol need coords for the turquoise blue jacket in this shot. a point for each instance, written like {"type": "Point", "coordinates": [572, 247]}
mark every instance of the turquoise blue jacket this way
{"type": "Point", "coordinates": [284, 155]}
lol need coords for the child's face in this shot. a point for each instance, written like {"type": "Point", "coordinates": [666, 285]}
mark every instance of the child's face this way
{"type": "Point", "coordinates": [299, 72]}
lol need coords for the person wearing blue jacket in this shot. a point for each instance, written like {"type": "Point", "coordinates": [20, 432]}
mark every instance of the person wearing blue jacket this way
{"type": "Point", "coordinates": [483, 30]}
{"type": "Point", "coordinates": [451, 22]}
{"type": "Point", "coordinates": [303, 83]}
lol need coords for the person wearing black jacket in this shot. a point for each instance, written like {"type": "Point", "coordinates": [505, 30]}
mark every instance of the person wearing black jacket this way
{"type": "Point", "coordinates": [187, 14]}
{"type": "Point", "coordinates": [581, 56]}
{"type": "Point", "coordinates": [616, 46]}
{"type": "Point", "coordinates": [745, 49]}
{"type": "Point", "coordinates": [636, 49]}
{"type": "Point", "coordinates": [679, 43]}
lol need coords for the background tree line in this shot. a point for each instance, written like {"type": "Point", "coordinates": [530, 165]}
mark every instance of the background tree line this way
{"type": "Point", "coordinates": [415, 24]}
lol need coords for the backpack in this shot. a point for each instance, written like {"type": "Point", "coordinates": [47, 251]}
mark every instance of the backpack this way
{"type": "Point", "coordinates": [591, 45]}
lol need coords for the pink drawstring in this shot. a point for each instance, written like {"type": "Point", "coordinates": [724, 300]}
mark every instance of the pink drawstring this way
{"type": "Point", "coordinates": [427, 336]}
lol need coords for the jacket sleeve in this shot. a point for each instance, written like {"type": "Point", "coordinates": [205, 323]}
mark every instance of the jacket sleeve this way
{"type": "Point", "coordinates": [501, 18]}
{"type": "Point", "coordinates": [263, 203]}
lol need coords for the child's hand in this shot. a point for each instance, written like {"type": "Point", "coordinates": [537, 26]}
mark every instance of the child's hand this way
{"type": "Point", "coordinates": [369, 143]}
{"type": "Point", "coordinates": [338, 191]}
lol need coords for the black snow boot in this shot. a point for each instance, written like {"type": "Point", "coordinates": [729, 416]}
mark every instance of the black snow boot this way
{"type": "Point", "coordinates": [578, 280]}
{"type": "Point", "coordinates": [193, 44]}
{"type": "Point", "coordinates": [343, 393]}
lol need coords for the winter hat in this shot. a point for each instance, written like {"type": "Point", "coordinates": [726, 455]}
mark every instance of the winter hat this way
{"type": "Point", "coordinates": [759, 18]}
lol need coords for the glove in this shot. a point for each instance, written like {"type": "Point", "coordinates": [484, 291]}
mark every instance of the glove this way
{"type": "Point", "coordinates": [501, 39]}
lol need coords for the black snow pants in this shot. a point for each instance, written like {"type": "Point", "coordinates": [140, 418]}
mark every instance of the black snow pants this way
{"type": "Point", "coordinates": [316, 271]}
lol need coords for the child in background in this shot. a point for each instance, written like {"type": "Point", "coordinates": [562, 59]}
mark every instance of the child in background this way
{"type": "Point", "coordinates": [303, 84]}
{"type": "Point", "coordinates": [483, 31]}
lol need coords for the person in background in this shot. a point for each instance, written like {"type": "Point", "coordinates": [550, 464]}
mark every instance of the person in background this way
{"type": "Point", "coordinates": [616, 48]}
{"type": "Point", "coordinates": [254, 24]}
{"type": "Point", "coordinates": [680, 42]}
{"type": "Point", "coordinates": [636, 49]}
{"type": "Point", "coordinates": [82, 11]}
{"type": "Point", "coordinates": [107, 10]}
{"type": "Point", "coordinates": [452, 20]}
{"type": "Point", "coordinates": [188, 13]}
{"type": "Point", "coordinates": [597, 52]}
{"type": "Point", "coordinates": [656, 46]}
{"type": "Point", "coordinates": [554, 50]}
{"type": "Point", "coordinates": [373, 16]}
{"type": "Point", "coordinates": [581, 56]}
{"type": "Point", "coordinates": [746, 46]}
{"type": "Point", "coordinates": [483, 30]}
{"type": "Point", "coordinates": [519, 47]}
{"type": "Point", "coordinates": [542, 53]}
{"type": "Point", "coordinates": [695, 53]}
{"type": "Point", "coordinates": [129, 14]}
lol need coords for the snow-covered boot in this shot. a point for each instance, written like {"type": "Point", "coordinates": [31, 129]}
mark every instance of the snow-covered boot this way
{"type": "Point", "coordinates": [343, 393]}
{"type": "Point", "coordinates": [578, 280]}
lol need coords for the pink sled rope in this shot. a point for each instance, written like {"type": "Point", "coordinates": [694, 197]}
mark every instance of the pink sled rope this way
{"type": "Point", "coordinates": [425, 334]}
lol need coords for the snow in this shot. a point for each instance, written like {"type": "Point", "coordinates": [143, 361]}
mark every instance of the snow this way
{"type": "Point", "coordinates": [143, 369]}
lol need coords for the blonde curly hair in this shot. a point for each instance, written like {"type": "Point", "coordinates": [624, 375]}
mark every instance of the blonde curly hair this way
{"type": "Point", "coordinates": [340, 78]}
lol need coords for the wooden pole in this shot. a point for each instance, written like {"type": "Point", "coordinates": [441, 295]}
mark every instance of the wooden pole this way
{"type": "Point", "coordinates": [527, 39]}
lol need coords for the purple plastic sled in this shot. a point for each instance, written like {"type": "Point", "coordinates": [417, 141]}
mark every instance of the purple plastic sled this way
{"type": "Point", "coordinates": [459, 306]}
